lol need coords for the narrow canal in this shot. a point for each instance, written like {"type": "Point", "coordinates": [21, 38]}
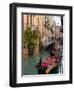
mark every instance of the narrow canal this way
{"type": "Point", "coordinates": [28, 66]}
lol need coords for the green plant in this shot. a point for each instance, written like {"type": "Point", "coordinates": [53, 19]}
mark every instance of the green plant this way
{"type": "Point", "coordinates": [31, 38]}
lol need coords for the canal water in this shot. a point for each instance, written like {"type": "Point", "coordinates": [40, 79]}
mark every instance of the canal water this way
{"type": "Point", "coordinates": [29, 65]}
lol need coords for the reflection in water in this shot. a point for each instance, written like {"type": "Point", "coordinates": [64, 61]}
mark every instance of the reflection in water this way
{"type": "Point", "coordinates": [30, 63]}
